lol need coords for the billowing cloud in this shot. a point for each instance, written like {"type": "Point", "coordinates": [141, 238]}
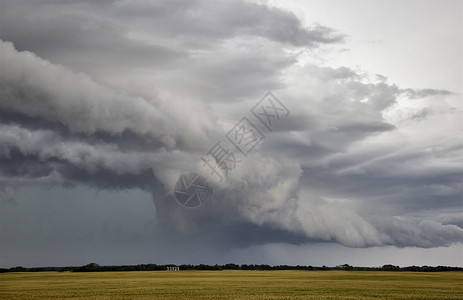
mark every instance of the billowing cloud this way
{"type": "Point", "coordinates": [72, 99]}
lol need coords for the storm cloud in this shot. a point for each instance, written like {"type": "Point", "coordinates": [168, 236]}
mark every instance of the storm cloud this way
{"type": "Point", "coordinates": [120, 96]}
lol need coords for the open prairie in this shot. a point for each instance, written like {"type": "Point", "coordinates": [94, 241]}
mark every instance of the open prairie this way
{"type": "Point", "coordinates": [231, 284]}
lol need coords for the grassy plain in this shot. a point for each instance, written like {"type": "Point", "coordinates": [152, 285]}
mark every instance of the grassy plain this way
{"type": "Point", "coordinates": [231, 284]}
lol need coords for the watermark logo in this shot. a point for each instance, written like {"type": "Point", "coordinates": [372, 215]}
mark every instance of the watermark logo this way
{"type": "Point", "coordinates": [192, 190]}
{"type": "Point", "coordinates": [269, 109]}
{"type": "Point", "coordinates": [245, 136]}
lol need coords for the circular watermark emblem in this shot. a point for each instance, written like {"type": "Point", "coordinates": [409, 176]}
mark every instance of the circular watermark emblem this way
{"type": "Point", "coordinates": [191, 190]}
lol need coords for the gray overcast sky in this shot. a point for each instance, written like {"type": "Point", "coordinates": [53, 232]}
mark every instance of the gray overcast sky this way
{"type": "Point", "coordinates": [103, 105]}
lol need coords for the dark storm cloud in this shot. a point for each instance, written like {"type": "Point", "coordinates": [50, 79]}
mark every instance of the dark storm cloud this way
{"type": "Point", "coordinates": [222, 50]}
{"type": "Point", "coordinates": [90, 36]}
{"type": "Point", "coordinates": [196, 22]}
{"type": "Point", "coordinates": [339, 169]}
{"type": "Point", "coordinates": [51, 93]}
{"type": "Point", "coordinates": [53, 30]}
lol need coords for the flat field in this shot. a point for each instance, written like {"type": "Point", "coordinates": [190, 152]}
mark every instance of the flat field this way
{"type": "Point", "coordinates": [230, 284]}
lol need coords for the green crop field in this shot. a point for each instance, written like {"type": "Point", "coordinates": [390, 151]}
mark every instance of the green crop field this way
{"type": "Point", "coordinates": [230, 284]}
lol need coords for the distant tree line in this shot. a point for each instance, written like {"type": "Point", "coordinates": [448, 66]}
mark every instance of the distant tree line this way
{"type": "Point", "coordinates": [93, 267]}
